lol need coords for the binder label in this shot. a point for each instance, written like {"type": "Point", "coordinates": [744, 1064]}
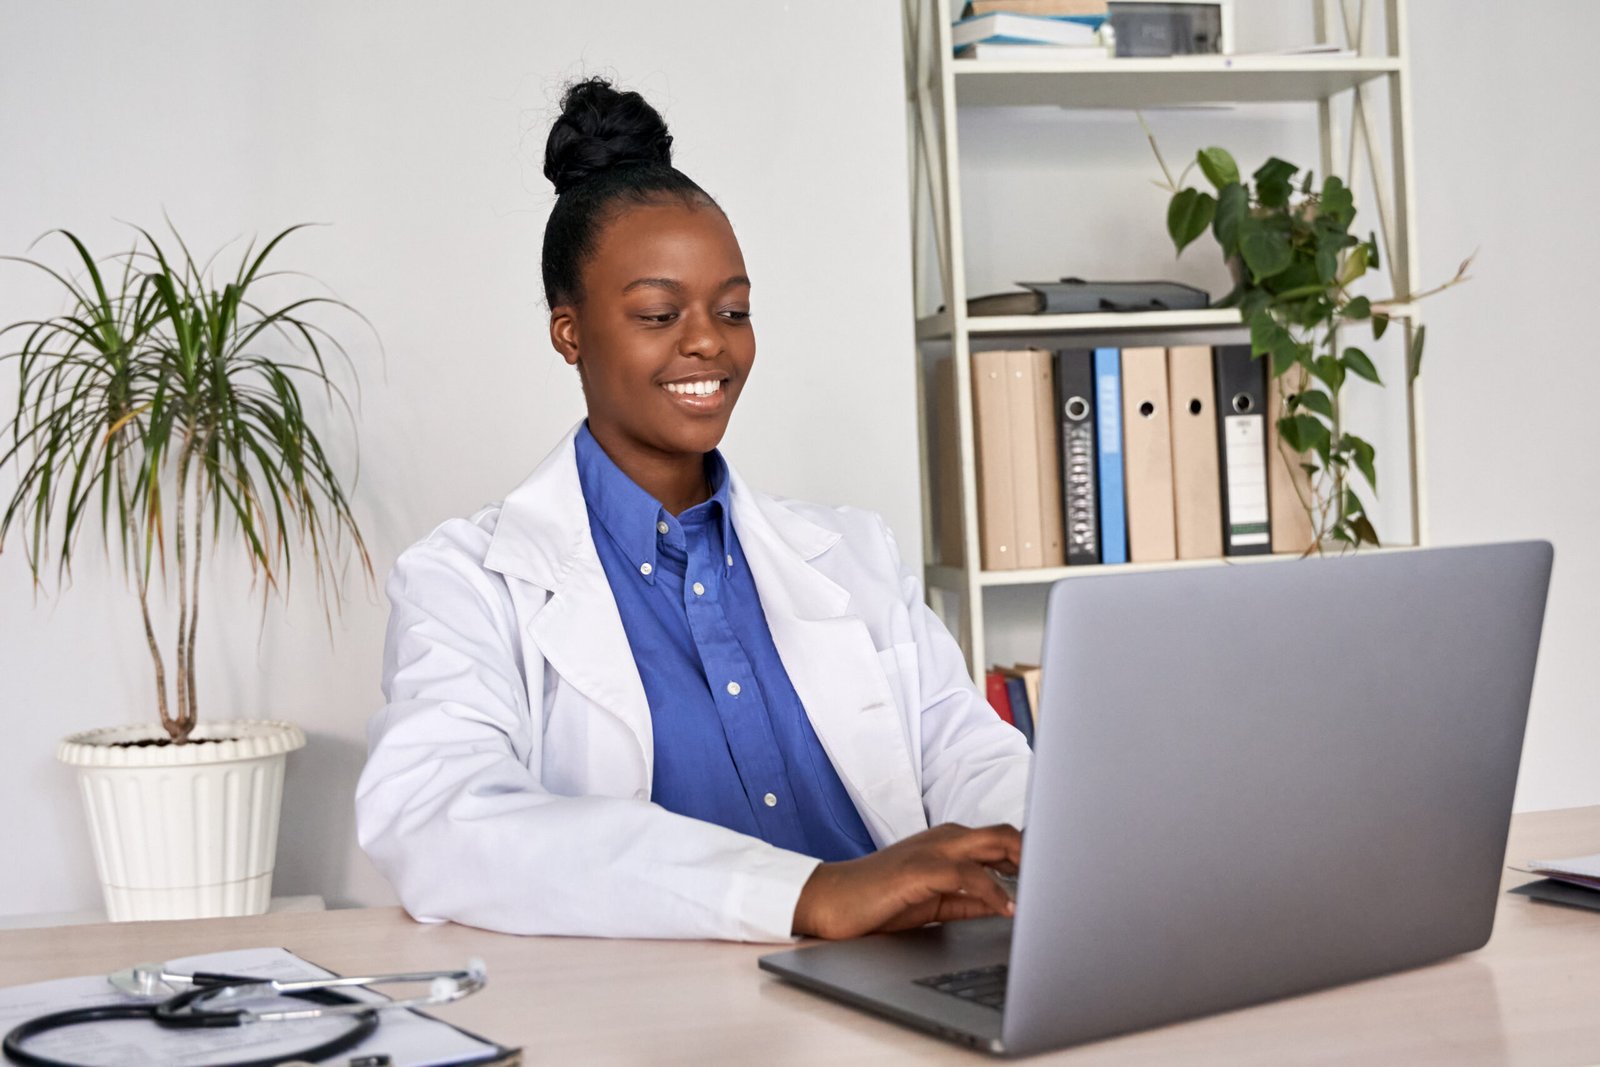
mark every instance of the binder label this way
{"type": "Point", "coordinates": [1247, 479]}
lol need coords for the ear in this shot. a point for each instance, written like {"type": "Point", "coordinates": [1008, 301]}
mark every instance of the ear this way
{"type": "Point", "coordinates": [564, 332]}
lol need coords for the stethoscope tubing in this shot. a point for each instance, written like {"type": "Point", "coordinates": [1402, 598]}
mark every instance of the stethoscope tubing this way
{"type": "Point", "coordinates": [168, 1014]}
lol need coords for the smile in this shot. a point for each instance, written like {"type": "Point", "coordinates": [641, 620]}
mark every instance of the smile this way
{"type": "Point", "coordinates": [693, 388]}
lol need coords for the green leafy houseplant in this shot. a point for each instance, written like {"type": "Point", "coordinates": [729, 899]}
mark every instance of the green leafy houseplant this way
{"type": "Point", "coordinates": [1288, 242]}
{"type": "Point", "coordinates": [168, 398]}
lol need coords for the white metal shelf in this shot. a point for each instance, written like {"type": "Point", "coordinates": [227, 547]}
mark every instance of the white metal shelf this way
{"type": "Point", "coordinates": [939, 87]}
{"type": "Point", "coordinates": [1174, 82]}
{"type": "Point", "coordinates": [938, 576]}
{"type": "Point", "coordinates": [938, 328]}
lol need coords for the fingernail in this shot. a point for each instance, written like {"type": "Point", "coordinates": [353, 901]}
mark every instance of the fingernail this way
{"type": "Point", "coordinates": [1011, 909]}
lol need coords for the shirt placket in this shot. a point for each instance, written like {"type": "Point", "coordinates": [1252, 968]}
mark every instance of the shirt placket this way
{"type": "Point", "coordinates": [736, 691]}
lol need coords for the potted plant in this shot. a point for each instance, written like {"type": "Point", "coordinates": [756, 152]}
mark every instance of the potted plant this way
{"type": "Point", "coordinates": [166, 404]}
{"type": "Point", "coordinates": [1294, 261]}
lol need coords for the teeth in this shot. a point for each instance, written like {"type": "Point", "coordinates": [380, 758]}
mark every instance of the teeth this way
{"type": "Point", "coordinates": [694, 388]}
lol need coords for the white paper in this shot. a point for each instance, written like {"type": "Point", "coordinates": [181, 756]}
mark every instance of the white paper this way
{"type": "Point", "coordinates": [408, 1038]}
{"type": "Point", "coordinates": [1579, 870]}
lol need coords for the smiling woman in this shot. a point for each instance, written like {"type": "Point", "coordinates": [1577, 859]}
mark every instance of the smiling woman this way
{"type": "Point", "coordinates": [638, 698]}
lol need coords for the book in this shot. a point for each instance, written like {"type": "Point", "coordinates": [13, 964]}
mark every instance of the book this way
{"type": "Point", "coordinates": [1074, 390]}
{"type": "Point", "coordinates": [1005, 27]}
{"type": "Point", "coordinates": [1147, 456]}
{"type": "Point", "coordinates": [1196, 479]}
{"type": "Point", "coordinates": [1017, 697]}
{"type": "Point", "coordinates": [1108, 455]}
{"type": "Point", "coordinates": [994, 688]}
{"type": "Point", "coordinates": [997, 519]}
{"type": "Point", "coordinates": [1241, 408]}
{"type": "Point", "coordinates": [1022, 436]}
{"type": "Point", "coordinates": [1288, 485]}
{"type": "Point", "coordinates": [1052, 538]}
{"type": "Point", "coordinates": [1030, 674]}
{"type": "Point", "coordinates": [1082, 9]}
{"type": "Point", "coordinates": [1032, 53]}
{"type": "Point", "coordinates": [944, 454]}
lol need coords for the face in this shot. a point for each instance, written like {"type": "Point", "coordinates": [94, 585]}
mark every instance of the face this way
{"type": "Point", "coordinates": [662, 341]}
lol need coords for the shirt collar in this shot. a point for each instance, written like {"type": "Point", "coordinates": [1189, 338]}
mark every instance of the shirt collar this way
{"type": "Point", "coordinates": [632, 516]}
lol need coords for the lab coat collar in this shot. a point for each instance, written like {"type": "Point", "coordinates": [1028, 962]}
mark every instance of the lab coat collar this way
{"type": "Point", "coordinates": [543, 531]}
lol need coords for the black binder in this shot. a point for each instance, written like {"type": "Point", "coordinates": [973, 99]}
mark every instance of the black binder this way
{"type": "Point", "coordinates": [1074, 387]}
{"type": "Point", "coordinates": [1242, 451]}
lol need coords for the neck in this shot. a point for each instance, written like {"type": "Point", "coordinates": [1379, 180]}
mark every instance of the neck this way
{"type": "Point", "coordinates": [677, 479]}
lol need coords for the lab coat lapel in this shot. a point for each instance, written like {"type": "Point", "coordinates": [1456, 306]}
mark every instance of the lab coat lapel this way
{"type": "Point", "coordinates": [832, 663]}
{"type": "Point", "coordinates": [543, 537]}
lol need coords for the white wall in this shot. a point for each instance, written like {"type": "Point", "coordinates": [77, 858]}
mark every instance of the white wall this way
{"type": "Point", "coordinates": [417, 130]}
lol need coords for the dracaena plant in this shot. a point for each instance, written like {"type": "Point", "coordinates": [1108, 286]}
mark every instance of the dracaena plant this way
{"type": "Point", "coordinates": [167, 401]}
{"type": "Point", "coordinates": [1289, 244]}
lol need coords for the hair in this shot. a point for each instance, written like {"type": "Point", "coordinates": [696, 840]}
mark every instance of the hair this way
{"type": "Point", "coordinates": [608, 150]}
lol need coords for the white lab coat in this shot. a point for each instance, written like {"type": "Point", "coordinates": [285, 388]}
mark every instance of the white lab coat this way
{"type": "Point", "coordinates": [507, 783]}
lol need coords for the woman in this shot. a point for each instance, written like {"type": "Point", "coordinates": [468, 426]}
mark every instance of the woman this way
{"type": "Point", "coordinates": [639, 699]}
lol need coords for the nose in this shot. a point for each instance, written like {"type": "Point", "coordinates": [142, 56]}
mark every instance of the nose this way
{"type": "Point", "coordinates": [700, 338]}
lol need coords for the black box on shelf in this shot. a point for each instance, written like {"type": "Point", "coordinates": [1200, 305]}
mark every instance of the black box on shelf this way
{"type": "Point", "coordinates": [1143, 29]}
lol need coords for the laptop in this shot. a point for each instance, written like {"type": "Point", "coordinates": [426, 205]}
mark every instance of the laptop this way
{"type": "Point", "coordinates": [1251, 781]}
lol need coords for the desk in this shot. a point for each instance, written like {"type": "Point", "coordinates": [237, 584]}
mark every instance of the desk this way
{"type": "Point", "coordinates": [1531, 996]}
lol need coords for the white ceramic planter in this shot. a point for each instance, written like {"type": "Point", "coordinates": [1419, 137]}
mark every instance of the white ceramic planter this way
{"type": "Point", "coordinates": [184, 831]}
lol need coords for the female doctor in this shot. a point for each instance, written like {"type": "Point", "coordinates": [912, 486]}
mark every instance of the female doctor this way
{"type": "Point", "coordinates": [639, 698]}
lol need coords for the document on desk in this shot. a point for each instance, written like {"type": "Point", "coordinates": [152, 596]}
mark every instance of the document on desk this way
{"type": "Point", "coordinates": [410, 1039]}
{"type": "Point", "coordinates": [1579, 870]}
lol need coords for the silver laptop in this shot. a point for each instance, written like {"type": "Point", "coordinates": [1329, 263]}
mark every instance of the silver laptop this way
{"type": "Point", "coordinates": [1251, 781]}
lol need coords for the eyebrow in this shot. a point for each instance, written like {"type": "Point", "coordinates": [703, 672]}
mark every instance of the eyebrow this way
{"type": "Point", "coordinates": [675, 286]}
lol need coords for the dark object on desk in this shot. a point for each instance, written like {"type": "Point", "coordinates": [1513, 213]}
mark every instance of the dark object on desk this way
{"type": "Point", "coordinates": [1074, 296]}
{"type": "Point", "coordinates": [1144, 29]}
{"type": "Point", "coordinates": [1551, 891]}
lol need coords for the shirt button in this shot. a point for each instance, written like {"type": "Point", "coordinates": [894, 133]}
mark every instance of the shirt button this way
{"type": "Point", "coordinates": [770, 800]}
{"type": "Point", "coordinates": [730, 561]}
{"type": "Point", "coordinates": [661, 527]}
{"type": "Point", "coordinates": [645, 568]}
{"type": "Point", "coordinates": [699, 590]}
{"type": "Point", "coordinates": [733, 689]}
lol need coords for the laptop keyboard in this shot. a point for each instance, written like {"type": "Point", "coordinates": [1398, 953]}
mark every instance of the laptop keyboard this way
{"type": "Point", "coordinates": [982, 985]}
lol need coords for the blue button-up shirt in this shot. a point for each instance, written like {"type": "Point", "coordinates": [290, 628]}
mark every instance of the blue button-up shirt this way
{"type": "Point", "coordinates": [733, 745]}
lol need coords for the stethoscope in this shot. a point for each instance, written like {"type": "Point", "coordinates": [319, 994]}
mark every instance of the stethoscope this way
{"type": "Point", "coordinates": [196, 1008]}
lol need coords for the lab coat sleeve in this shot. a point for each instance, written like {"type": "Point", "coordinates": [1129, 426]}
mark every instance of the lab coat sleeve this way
{"type": "Point", "coordinates": [451, 809]}
{"type": "Point", "coordinates": [974, 765]}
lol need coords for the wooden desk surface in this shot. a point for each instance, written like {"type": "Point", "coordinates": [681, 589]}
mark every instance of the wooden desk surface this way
{"type": "Point", "coordinates": [1531, 996]}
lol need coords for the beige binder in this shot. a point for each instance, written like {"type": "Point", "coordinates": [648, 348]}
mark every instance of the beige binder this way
{"type": "Point", "coordinates": [1147, 455]}
{"type": "Point", "coordinates": [1196, 474]}
{"type": "Point", "coordinates": [997, 520]}
{"type": "Point", "coordinates": [1287, 484]}
{"type": "Point", "coordinates": [1047, 431]}
{"type": "Point", "coordinates": [1025, 502]}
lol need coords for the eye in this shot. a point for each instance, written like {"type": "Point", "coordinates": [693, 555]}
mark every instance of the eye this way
{"type": "Point", "coordinates": [738, 316]}
{"type": "Point", "coordinates": [660, 318]}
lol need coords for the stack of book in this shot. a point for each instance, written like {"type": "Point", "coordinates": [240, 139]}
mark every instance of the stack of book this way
{"type": "Point", "coordinates": [1014, 694]}
{"type": "Point", "coordinates": [1106, 455]}
{"type": "Point", "coordinates": [1030, 30]}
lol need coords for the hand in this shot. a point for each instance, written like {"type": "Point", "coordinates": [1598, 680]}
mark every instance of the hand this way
{"type": "Point", "coordinates": [935, 876]}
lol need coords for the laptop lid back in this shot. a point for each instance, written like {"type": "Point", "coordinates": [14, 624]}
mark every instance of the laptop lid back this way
{"type": "Point", "coordinates": [1258, 780]}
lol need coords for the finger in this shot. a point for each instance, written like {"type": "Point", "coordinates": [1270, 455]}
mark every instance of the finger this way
{"type": "Point", "coordinates": [950, 907]}
{"type": "Point", "coordinates": [977, 883]}
{"type": "Point", "coordinates": [989, 844]}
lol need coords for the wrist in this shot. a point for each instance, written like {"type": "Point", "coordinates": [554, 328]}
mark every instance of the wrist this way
{"type": "Point", "coordinates": [809, 907]}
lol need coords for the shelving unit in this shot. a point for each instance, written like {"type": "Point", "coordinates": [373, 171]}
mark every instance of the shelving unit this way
{"type": "Point", "coordinates": [938, 85]}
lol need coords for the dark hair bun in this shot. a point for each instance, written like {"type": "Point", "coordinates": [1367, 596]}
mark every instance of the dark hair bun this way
{"type": "Point", "coordinates": [601, 129]}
